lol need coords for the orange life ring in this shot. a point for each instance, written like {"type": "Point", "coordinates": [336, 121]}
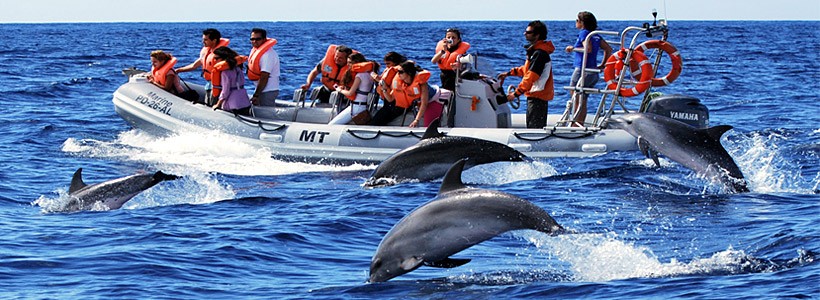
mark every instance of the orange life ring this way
{"type": "Point", "coordinates": [674, 55]}
{"type": "Point", "coordinates": [615, 64]}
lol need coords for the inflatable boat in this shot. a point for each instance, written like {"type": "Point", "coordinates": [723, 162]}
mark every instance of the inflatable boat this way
{"type": "Point", "coordinates": [297, 129]}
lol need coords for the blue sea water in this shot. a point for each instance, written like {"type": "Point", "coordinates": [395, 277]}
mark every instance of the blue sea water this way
{"type": "Point", "coordinates": [242, 225]}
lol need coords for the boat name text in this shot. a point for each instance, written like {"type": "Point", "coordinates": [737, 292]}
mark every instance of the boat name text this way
{"type": "Point", "coordinates": [310, 136]}
{"type": "Point", "coordinates": [683, 116]}
{"type": "Point", "coordinates": [155, 102]}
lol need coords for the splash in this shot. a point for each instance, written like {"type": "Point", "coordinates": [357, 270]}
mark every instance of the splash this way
{"type": "Point", "coordinates": [507, 172]}
{"type": "Point", "coordinates": [210, 152]}
{"type": "Point", "coordinates": [766, 166]}
{"type": "Point", "coordinates": [600, 258]}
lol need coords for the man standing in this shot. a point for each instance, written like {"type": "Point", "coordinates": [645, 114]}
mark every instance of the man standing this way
{"type": "Point", "coordinates": [263, 68]}
{"type": "Point", "coordinates": [332, 67]}
{"type": "Point", "coordinates": [537, 83]}
{"type": "Point", "coordinates": [211, 39]}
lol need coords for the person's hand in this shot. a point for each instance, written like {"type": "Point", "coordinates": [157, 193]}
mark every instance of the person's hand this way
{"type": "Point", "coordinates": [510, 97]}
{"type": "Point", "coordinates": [305, 86]}
{"type": "Point", "coordinates": [569, 49]}
{"type": "Point", "coordinates": [502, 76]}
{"type": "Point", "coordinates": [255, 100]}
{"type": "Point", "coordinates": [414, 123]}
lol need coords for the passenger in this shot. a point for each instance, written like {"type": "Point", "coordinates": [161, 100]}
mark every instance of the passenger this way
{"type": "Point", "coordinates": [332, 67]}
{"type": "Point", "coordinates": [233, 97]}
{"type": "Point", "coordinates": [263, 68]}
{"type": "Point", "coordinates": [537, 83]}
{"type": "Point", "coordinates": [391, 62]}
{"type": "Point", "coordinates": [162, 72]}
{"type": "Point", "coordinates": [408, 86]}
{"type": "Point", "coordinates": [447, 50]}
{"type": "Point", "coordinates": [360, 82]}
{"type": "Point", "coordinates": [587, 23]}
{"type": "Point", "coordinates": [211, 39]}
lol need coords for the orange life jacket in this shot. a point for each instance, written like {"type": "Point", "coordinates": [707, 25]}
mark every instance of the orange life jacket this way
{"type": "Point", "coordinates": [449, 58]}
{"type": "Point", "coordinates": [331, 73]}
{"type": "Point", "coordinates": [362, 67]}
{"type": "Point", "coordinates": [159, 74]}
{"type": "Point", "coordinates": [254, 67]}
{"type": "Point", "coordinates": [208, 54]}
{"type": "Point", "coordinates": [217, 74]}
{"type": "Point", "coordinates": [387, 78]}
{"type": "Point", "coordinates": [405, 93]}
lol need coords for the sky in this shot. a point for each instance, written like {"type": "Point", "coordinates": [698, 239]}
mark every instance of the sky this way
{"type": "Point", "coordinates": [58, 11]}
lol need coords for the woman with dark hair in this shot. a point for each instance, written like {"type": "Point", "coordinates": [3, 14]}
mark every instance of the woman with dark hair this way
{"type": "Point", "coordinates": [357, 77]}
{"type": "Point", "coordinates": [162, 72]}
{"type": "Point", "coordinates": [232, 96]}
{"type": "Point", "coordinates": [410, 84]}
{"type": "Point", "coordinates": [447, 50]}
{"type": "Point", "coordinates": [587, 22]}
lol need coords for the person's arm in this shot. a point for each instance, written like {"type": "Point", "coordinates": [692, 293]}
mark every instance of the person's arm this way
{"type": "Point", "coordinates": [607, 52]}
{"type": "Point", "coordinates": [353, 88]}
{"type": "Point", "coordinates": [196, 64]}
{"type": "Point", "coordinates": [260, 86]}
{"type": "Point", "coordinates": [312, 76]}
{"type": "Point", "coordinates": [170, 79]}
{"type": "Point", "coordinates": [440, 53]}
{"type": "Point", "coordinates": [425, 97]}
{"type": "Point", "coordinates": [227, 83]}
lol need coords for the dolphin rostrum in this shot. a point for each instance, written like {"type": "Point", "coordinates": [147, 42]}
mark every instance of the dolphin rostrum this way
{"type": "Point", "coordinates": [110, 194]}
{"type": "Point", "coordinates": [432, 156]}
{"type": "Point", "coordinates": [458, 218]}
{"type": "Point", "coordinates": [697, 149]}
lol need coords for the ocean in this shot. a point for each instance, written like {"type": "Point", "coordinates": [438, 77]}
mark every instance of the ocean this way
{"type": "Point", "coordinates": [241, 225]}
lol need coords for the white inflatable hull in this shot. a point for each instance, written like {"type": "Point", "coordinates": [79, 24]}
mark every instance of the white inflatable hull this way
{"type": "Point", "coordinates": [147, 107]}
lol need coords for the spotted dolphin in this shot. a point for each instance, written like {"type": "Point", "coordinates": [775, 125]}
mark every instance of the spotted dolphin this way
{"type": "Point", "coordinates": [110, 194]}
{"type": "Point", "coordinates": [458, 218]}
{"type": "Point", "coordinates": [435, 153]}
{"type": "Point", "coordinates": [697, 149]}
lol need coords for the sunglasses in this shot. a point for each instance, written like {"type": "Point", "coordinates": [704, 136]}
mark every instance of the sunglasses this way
{"type": "Point", "coordinates": [256, 39]}
{"type": "Point", "coordinates": [529, 32]}
{"type": "Point", "coordinates": [400, 71]}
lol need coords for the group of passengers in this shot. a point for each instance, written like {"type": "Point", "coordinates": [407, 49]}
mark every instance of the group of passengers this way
{"type": "Point", "coordinates": [402, 84]}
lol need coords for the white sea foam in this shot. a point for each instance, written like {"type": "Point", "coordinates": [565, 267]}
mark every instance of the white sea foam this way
{"type": "Point", "coordinates": [206, 152]}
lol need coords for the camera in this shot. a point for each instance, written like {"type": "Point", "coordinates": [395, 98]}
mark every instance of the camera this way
{"type": "Point", "coordinates": [449, 41]}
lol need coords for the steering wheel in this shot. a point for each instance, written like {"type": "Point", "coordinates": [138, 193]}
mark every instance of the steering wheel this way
{"type": "Point", "coordinates": [516, 103]}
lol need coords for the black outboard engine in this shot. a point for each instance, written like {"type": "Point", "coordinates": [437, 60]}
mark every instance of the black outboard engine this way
{"type": "Point", "coordinates": [682, 108]}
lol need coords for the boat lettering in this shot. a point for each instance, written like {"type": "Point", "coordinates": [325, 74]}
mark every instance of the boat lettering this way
{"type": "Point", "coordinates": [683, 116]}
{"type": "Point", "coordinates": [310, 136]}
{"type": "Point", "coordinates": [155, 102]}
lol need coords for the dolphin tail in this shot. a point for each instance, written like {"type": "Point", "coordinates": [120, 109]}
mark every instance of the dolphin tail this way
{"type": "Point", "coordinates": [159, 176]}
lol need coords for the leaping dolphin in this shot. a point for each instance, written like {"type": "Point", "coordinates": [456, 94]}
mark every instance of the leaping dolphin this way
{"type": "Point", "coordinates": [458, 218]}
{"type": "Point", "coordinates": [110, 194]}
{"type": "Point", "coordinates": [432, 156]}
{"type": "Point", "coordinates": [697, 149]}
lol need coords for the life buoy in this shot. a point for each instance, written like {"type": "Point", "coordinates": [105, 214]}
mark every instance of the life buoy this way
{"type": "Point", "coordinates": [674, 55]}
{"type": "Point", "coordinates": [615, 64]}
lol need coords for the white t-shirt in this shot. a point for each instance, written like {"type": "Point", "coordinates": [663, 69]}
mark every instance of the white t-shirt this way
{"type": "Point", "coordinates": [365, 85]}
{"type": "Point", "coordinates": [269, 62]}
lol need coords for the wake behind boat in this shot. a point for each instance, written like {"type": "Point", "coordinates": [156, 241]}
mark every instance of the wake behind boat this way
{"type": "Point", "coordinates": [297, 130]}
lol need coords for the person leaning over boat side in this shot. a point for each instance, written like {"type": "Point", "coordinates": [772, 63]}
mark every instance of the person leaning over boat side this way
{"type": "Point", "coordinates": [162, 73]}
{"type": "Point", "coordinates": [537, 83]}
{"type": "Point", "coordinates": [587, 23]}
{"type": "Point", "coordinates": [384, 80]}
{"type": "Point", "coordinates": [360, 82]}
{"type": "Point", "coordinates": [263, 68]}
{"type": "Point", "coordinates": [211, 39]}
{"type": "Point", "coordinates": [447, 51]}
{"type": "Point", "coordinates": [410, 84]}
{"type": "Point", "coordinates": [233, 97]}
{"type": "Point", "coordinates": [332, 67]}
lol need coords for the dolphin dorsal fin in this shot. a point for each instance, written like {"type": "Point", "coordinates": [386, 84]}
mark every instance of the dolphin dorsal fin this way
{"type": "Point", "coordinates": [717, 131]}
{"type": "Point", "coordinates": [452, 180]}
{"type": "Point", "coordinates": [76, 181]}
{"type": "Point", "coordinates": [432, 130]}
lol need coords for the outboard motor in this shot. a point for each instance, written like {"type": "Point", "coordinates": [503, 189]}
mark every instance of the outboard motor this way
{"type": "Point", "coordinates": [682, 108]}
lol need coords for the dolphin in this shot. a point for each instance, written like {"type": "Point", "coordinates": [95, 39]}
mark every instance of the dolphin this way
{"type": "Point", "coordinates": [110, 194]}
{"type": "Point", "coordinates": [458, 218]}
{"type": "Point", "coordinates": [697, 149]}
{"type": "Point", "coordinates": [432, 156]}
